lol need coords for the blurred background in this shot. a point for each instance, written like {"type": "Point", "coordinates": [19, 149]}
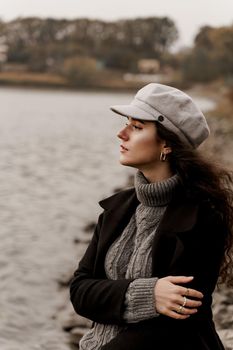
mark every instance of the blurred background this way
{"type": "Point", "coordinates": [62, 64]}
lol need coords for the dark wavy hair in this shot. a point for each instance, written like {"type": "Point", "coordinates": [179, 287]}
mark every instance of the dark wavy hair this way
{"type": "Point", "coordinates": [205, 180]}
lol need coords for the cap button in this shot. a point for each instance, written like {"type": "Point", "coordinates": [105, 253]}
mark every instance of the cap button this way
{"type": "Point", "coordinates": [160, 118]}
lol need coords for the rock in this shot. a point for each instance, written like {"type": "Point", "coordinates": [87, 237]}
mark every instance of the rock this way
{"type": "Point", "coordinates": [83, 237]}
{"type": "Point", "coordinates": [65, 278]}
{"type": "Point", "coordinates": [227, 337]}
{"type": "Point", "coordinates": [69, 320]}
{"type": "Point", "coordinates": [223, 315]}
{"type": "Point", "coordinates": [89, 228]}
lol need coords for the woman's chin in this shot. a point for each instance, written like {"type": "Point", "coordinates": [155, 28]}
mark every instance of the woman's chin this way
{"type": "Point", "coordinates": [126, 163]}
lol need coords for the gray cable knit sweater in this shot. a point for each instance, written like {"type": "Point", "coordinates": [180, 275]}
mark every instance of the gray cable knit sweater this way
{"type": "Point", "coordinates": [130, 257]}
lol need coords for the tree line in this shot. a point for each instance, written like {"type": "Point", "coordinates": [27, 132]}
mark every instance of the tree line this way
{"type": "Point", "coordinates": [82, 46]}
{"type": "Point", "coordinates": [43, 42]}
{"type": "Point", "coordinates": [212, 55]}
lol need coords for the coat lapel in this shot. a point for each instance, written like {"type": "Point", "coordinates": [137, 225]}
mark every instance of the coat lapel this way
{"type": "Point", "coordinates": [180, 216]}
{"type": "Point", "coordinates": [118, 210]}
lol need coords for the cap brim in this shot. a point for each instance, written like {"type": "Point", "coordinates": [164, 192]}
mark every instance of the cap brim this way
{"type": "Point", "coordinates": [131, 111]}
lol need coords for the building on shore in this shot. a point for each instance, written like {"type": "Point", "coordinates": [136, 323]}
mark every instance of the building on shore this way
{"type": "Point", "coordinates": [148, 66]}
{"type": "Point", "coordinates": [3, 50]}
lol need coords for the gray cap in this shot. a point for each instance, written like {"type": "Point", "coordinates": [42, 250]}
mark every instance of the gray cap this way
{"type": "Point", "coordinates": [171, 107]}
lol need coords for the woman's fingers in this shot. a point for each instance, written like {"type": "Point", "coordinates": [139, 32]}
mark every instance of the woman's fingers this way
{"type": "Point", "coordinates": [174, 300]}
{"type": "Point", "coordinates": [185, 302]}
{"type": "Point", "coordinates": [193, 293]}
{"type": "Point", "coordinates": [179, 279]}
{"type": "Point", "coordinates": [179, 312]}
{"type": "Point", "coordinates": [184, 290]}
{"type": "Point", "coordinates": [177, 316]}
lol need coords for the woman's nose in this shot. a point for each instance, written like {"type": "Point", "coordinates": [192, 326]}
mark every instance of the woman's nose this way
{"type": "Point", "coordinates": [122, 134]}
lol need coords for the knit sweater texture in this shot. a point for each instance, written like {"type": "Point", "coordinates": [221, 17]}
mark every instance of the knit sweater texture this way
{"type": "Point", "coordinates": [130, 256]}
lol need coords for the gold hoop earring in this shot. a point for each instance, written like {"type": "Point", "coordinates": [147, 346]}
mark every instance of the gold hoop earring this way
{"type": "Point", "coordinates": [163, 157]}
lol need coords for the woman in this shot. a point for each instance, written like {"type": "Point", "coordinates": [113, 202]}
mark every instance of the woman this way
{"type": "Point", "coordinates": [159, 249]}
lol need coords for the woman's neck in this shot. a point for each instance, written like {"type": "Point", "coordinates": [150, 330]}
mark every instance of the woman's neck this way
{"type": "Point", "coordinates": [159, 174]}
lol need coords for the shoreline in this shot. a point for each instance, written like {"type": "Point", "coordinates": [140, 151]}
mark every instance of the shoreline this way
{"type": "Point", "coordinates": [54, 81]}
{"type": "Point", "coordinates": [215, 90]}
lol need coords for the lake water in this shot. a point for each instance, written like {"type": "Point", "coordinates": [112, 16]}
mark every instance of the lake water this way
{"type": "Point", "coordinates": [58, 158]}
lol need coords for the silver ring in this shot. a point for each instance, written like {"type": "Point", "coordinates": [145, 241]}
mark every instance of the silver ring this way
{"type": "Point", "coordinates": [185, 301]}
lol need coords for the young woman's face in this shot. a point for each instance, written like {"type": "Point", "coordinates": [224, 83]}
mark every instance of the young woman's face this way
{"type": "Point", "coordinates": [140, 146]}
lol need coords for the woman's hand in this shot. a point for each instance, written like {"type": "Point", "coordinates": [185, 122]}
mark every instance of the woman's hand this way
{"type": "Point", "coordinates": [176, 301]}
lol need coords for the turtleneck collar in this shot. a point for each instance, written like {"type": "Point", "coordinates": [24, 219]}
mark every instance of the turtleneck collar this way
{"type": "Point", "coordinates": [157, 193]}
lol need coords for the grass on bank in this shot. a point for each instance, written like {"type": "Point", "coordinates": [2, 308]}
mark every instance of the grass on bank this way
{"type": "Point", "coordinates": [100, 80]}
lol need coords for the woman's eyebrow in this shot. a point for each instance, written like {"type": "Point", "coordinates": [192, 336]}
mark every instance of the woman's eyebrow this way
{"type": "Point", "coordinates": [138, 120]}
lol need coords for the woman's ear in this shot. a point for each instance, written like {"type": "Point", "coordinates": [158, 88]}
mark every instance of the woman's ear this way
{"type": "Point", "coordinates": [166, 149]}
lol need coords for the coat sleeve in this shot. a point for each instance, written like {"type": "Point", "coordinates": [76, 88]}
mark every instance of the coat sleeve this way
{"type": "Point", "coordinates": [98, 299]}
{"type": "Point", "coordinates": [199, 252]}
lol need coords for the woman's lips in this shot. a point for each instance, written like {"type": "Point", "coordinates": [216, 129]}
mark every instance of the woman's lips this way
{"type": "Point", "coordinates": [123, 148]}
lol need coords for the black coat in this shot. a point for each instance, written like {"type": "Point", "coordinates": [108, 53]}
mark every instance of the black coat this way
{"type": "Point", "coordinates": [189, 242]}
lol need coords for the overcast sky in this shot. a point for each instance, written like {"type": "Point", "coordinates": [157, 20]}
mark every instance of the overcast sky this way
{"type": "Point", "coordinates": [188, 15]}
